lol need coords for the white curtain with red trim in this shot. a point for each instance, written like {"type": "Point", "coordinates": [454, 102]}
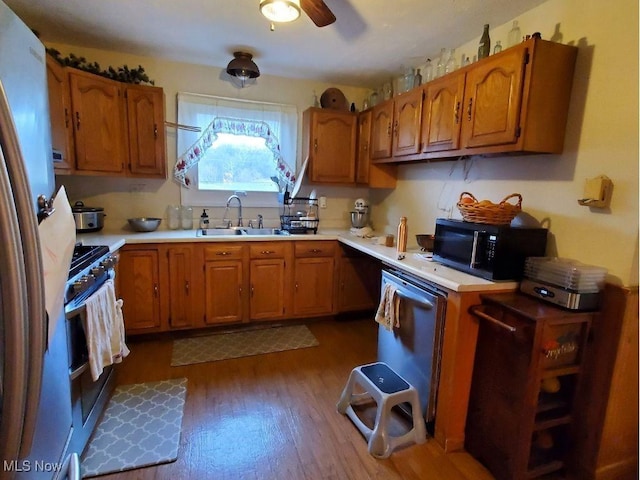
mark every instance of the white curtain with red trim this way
{"type": "Point", "coordinates": [276, 123]}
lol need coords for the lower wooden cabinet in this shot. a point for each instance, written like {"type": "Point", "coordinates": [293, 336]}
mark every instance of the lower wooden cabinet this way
{"type": "Point", "coordinates": [313, 278]}
{"type": "Point", "coordinates": [139, 286]}
{"type": "Point", "coordinates": [174, 286]}
{"type": "Point", "coordinates": [358, 286]}
{"type": "Point", "coordinates": [224, 283]}
{"type": "Point", "coordinates": [182, 282]}
{"type": "Point", "coordinates": [269, 280]}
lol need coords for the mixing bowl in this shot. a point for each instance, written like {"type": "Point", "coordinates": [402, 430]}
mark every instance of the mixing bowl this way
{"type": "Point", "coordinates": [144, 224]}
{"type": "Point", "coordinates": [425, 241]}
{"type": "Point", "coordinates": [359, 219]}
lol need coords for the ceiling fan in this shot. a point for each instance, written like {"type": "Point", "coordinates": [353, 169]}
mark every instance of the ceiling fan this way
{"type": "Point", "coordinates": [289, 10]}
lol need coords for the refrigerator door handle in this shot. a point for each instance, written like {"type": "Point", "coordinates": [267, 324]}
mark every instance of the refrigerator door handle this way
{"type": "Point", "coordinates": [30, 352]}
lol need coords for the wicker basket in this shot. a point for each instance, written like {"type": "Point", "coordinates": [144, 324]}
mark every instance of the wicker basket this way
{"type": "Point", "coordinates": [493, 214]}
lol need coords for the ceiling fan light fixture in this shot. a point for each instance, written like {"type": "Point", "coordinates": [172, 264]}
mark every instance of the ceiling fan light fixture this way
{"type": "Point", "coordinates": [280, 10]}
{"type": "Point", "coordinates": [242, 67]}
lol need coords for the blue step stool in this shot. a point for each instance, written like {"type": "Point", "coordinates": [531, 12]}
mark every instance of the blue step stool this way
{"type": "Point", "coordinates": [388, 389]}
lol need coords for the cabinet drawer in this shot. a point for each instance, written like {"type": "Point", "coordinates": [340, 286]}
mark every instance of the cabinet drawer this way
{"type": "Point", "coordinates": [267, 249]}
{"type": "Point", "coordinates": [315, 248]}
{"type": "Point", "coordinates": [222, 252]}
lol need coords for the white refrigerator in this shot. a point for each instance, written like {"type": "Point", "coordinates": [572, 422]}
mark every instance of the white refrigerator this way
{"type": "Point", "coordinates": [35, 402]}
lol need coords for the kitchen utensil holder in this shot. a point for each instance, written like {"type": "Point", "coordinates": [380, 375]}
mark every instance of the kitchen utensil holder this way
{"type": "Point", "coordinates": [492, 214]}
{"type": "Point", "coordinates": [293, 221]}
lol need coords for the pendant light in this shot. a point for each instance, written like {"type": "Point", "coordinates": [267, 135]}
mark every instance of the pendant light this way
{"type": "Point", "coordinates": [242, 67]}
{"type": "Point", "coordinates": [280, 10]}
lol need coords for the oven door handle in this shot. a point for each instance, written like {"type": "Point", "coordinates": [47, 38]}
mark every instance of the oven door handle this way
{"type": "Point", "coordinates": [73, 374]}
{"type": "Point", "coordinates": [76, 311]}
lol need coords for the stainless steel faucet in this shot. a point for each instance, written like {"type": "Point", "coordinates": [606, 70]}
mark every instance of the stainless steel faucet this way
{"type": "Point", "coordinates": [236, 197]}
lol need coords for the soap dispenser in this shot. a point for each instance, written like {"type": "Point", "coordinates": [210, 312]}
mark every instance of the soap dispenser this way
{"type": "Point", "coordinates": [204, 219]}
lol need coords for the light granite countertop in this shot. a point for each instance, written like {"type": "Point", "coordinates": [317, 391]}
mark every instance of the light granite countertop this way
{"type": "Point", "coordinates": [414, 262]}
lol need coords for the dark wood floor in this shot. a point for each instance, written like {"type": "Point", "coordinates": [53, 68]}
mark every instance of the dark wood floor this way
{"type": "Point", "coordinates": [274, 416]}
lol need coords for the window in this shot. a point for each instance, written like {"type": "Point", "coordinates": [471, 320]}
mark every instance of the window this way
{"type": "Point", "coordinates": [243, 146]}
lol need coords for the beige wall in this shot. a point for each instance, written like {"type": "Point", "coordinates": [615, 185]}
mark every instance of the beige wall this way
{"type": "Point", "coordinates": [601, 139]}
{"type": "Point", "coordinates": [124, 198]}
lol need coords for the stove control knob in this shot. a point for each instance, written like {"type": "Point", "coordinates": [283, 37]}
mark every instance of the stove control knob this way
{"type": "Point", "coordinates": [98, 271]}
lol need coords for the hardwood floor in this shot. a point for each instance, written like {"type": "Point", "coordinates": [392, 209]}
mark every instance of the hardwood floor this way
{"type": "Point", "coordinates": [274, 416]}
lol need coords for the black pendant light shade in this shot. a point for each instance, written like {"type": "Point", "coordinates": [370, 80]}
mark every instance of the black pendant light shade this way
{"type": "Point", "coordinates": [242, 67]}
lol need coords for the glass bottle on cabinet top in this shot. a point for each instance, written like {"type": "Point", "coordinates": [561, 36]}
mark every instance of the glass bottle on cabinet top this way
{"type": "Point", "coordinates": [428, 71]}
{"type": "Point", "coordinates": [441, 63]}
{"type": "Point", "coordinates": [514, 36]}
{"type": "Point", "coordinates": [451, 64]}
{"type": "Point", "coordinates": [417, 80]}
{"type": "Point", "coordinates": [497, 48]}
{"type": "Point", "coordinates": [484, 47]}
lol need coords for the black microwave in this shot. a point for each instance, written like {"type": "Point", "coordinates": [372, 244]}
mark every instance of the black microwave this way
{"type": "Point", "coordinates": [494, 252]}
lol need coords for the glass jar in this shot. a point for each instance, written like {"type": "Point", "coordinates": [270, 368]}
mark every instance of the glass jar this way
{"type": "Point", "coordinates": [428, 71]}
{"type": "Point", "coordinates": [187, 218]}
{"type": "Point", "coordinates": [497, 48]}
{"type": "Point", "coordinates": [515, 36]}
{"type": "Point", "coordinates": [441, 63]}
{"type": "Point", "coordinates": [173, 217]}
{"type": "Point", "coordinates": [451, 64]}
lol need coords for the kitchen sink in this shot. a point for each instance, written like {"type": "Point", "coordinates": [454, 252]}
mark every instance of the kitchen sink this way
{"type": "Point", "coordinates": [212, 232]}
{"type": "Point", "coordinates": [263, 231]}
{"type": "Point", "coordinates": [247, 231]}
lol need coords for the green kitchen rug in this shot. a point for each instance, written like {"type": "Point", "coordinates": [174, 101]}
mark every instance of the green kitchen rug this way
{"type": "Point", "coordinates": [222, 346]}
{"type": "Point", "coordinates": [140, 427]}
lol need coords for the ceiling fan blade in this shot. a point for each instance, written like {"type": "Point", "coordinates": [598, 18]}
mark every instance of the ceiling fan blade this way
{"type": "Point", "coordinates": [318, 12]}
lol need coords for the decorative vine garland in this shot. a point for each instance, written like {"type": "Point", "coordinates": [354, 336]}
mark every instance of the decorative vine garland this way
{"type": "Point", "coordinates": [122, 74]}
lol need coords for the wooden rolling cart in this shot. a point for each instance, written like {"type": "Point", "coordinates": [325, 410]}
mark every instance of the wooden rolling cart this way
{"type": "Point", "coordinates": [528, 364]}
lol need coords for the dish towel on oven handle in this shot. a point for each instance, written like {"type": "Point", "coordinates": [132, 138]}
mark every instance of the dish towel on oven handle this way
{"type": "Point", "coordinates": [388, 313]}
{"type": "Point", "coordinates": [104, 329]}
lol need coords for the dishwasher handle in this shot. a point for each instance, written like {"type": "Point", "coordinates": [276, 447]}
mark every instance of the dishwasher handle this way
{"type": "Point", "coordinates": [479, 311]}
{"type": "Point", "coordinates": [418, 299]}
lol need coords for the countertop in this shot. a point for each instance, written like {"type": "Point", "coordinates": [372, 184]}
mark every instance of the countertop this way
{"type": "Point", "coordinates": [414, 262]}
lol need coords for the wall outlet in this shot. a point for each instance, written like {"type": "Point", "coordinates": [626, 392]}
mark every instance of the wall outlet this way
{"type": "Point", "coordinates": [323, 202]}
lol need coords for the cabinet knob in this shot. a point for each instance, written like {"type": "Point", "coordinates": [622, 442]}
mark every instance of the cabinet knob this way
{"type": "Point", "coordinates": [469, 109]}
{"type": "Point", "coordinates": [66, 118]}
{"type": "Point", "coordinates": [457, 112]}
{"type": "Point", "coordinates": [155, 130]}
{"type": "Point", "coordinates": [186, 287]}
{"type": "Point", "coordinates": [251, 291]}
{"type": "Point", "coordinates": [395, 128]}
{"type": "Point", "coordinates": [77, 120]}
{"type": "Point", "coordinates": [155, 290]}
{"type": "Point", "coordinates": [389, 129]}
{"type": "Point", "coordinates": [222, 253]}
{"type": "Point", "coordinates": [267, 252]}
{"type": "Point", "coordinates": [315, 145]}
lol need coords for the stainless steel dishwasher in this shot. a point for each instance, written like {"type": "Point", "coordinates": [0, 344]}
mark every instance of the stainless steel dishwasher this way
{"type": "Point", "coordinates": [413, 349]}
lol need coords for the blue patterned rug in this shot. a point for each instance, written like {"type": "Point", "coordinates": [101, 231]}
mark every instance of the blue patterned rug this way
{"type": "Point", "coordinates": [140, 427]}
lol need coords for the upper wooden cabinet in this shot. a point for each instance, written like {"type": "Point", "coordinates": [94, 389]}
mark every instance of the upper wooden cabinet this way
{"type": "Point", "coordinates": [407, 120]}
{"type": "Point", "coordinates": [516, 101]}
{"type": "Point", "coordinates": [442, 113]}
{"type": "Point", "coordinates": [60, 115]}
{"type": "Point", "coordinates": [145, 120]}
{"type": "Point", "coordinates": [381, 129]}
{"type": "Point", "coordinates": [375, 176]}
{"type": "Point", "coordinates": [329, 139]}
{"type": "Point", "coordinates": [104, 127]}
{"type": "Point", "coordinates": [98, 123]}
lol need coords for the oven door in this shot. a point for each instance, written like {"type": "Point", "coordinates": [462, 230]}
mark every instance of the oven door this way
{"type": "Point", "coordinates": [88, 397]}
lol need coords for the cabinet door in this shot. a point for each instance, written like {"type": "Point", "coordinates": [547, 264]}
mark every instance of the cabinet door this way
{"type": "Point", "coordinates": [442, 113]}
{"type": "Point", "coordinates": [145, 121]}
{"type": "Point", "coordinates": [406, 124]}
{"type": "Point", "coordinates": [181, 283]}
{"type": "Point", "coordinates": [364, 139]}
{"type": "Point", "coordinates": [492, 101]}
{"type": "Point", "coordinates": [359, 286]}
{"type": "Point", "coordinates": [223, 292]}
{"type": "Point", "coordinates": [60, 115]}
{"type": "Point", "coordinates": [139, 282]}
{"type": "Point", "coordinates": [98, 123]}
{"type": "Point", "coordinates": [381, 126]}
{"type": "Point", "coordinates": [332, 151]}
{"type": "Point", "coordinates": [267, 289]}
{"type": "Point", "coordinates": [313, 288]}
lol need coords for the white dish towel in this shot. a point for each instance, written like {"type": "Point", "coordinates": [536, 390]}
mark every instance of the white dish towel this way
{"type": "Point", "coordinates": [388, 313]}
{"type": "Point", "coordinates": [104, 329]}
